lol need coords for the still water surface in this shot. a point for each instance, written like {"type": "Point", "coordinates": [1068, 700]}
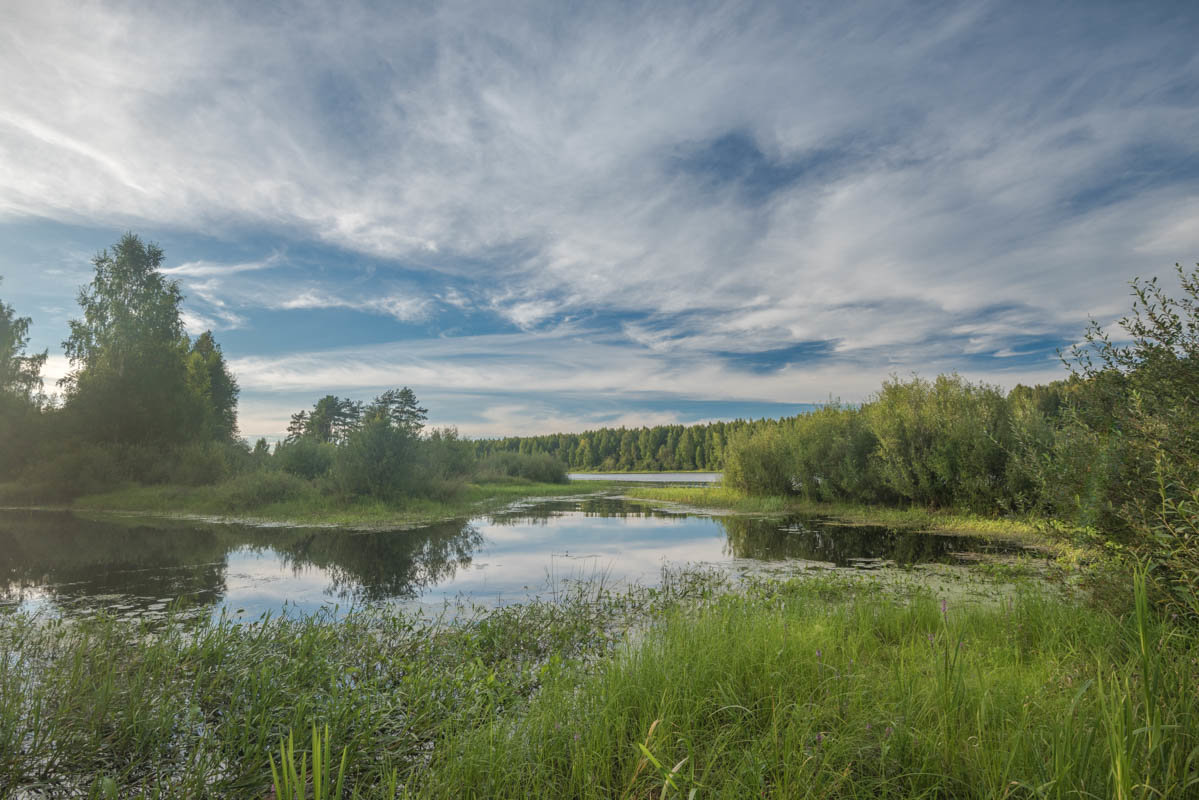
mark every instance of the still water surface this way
{"type": "Point", "coordinates": [59, 563]}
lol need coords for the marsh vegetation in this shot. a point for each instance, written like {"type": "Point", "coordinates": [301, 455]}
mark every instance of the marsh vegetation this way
{"type": "Point", "coordinates": [832, 685]}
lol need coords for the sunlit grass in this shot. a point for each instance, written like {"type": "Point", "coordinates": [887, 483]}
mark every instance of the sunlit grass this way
{"type": "Point", "coordinates": [307, 505]}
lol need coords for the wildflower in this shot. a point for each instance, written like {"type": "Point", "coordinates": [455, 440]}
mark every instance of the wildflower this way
{"type": "Point", "coordinates": [944, 607]}
{"type": "Point", "coordinates": [867, 726]}
{"type": "Point", "coordinates": [887, 733]}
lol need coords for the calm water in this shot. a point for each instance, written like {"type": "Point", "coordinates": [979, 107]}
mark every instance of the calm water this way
{"type": "Point", "coordinates": [62, 564]}
{"type": "Point", "coordinates": [648, 477]}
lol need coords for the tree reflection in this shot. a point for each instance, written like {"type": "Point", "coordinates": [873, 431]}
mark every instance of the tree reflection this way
{"type": "Point", "coordinates": [68, 559]}
{"type": "Point", "coordinates": [845, 545]}
{"type": "Point", "coordinates": [602, 507]}
{"type": "Point", "coordinates": [384, 565]}
{"type": "Point", "coordinates": [77, 562]}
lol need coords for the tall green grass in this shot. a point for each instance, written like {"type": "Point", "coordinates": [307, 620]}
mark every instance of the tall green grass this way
{"type": "Point", "coordinates": [808, 687]}
{"type": "Point", "coordinates": [818, 689]}
{"type": "Point", "coordinates": [199, 708]}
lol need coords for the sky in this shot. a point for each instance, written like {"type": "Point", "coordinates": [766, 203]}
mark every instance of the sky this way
{"type": "Point", "coordinates": [555, 216]}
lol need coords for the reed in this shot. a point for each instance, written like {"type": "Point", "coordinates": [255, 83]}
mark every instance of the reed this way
{"type": "Point", "coordinates": [805, 687]}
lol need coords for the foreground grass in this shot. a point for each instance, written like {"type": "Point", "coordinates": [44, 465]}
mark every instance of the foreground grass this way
{"type": "Point", "coordinates": [236, 501]}
{"type": "Point", "coordinates": [817, 687]}
{"type": "Point", "coordinates": [796, 694]}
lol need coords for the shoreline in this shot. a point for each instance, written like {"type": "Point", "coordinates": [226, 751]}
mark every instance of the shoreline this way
{"type": "Point", "coordinates": [197, 504]}
{"type": "Point", "coordinates": [200, 504]}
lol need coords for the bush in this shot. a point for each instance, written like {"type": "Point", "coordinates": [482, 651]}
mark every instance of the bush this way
{"type": "Point", "coordinates": [446, 457]}
{"type": "Point", "coordinates": [305, 458]}
{"type": "Point", "coordinates": [83, 469]}
{"type": "Point", "coordinates": [761, 462]}
{"type": "Point", "coordinates": [379, 460]}
{"type": "Point", "coordinates": [202, 463]}
{"type": "Point", "coordinates": [832, 451]}
{"type": "Point", "coordinates": [539, 468]}
{"type": "Point", "coordinates": [941, 443]}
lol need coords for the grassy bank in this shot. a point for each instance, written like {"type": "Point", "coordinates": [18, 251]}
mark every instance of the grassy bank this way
{"type": "Point", "coordinates": [303, 504]}
{"type": "Point", "coordinates": [1027, 529]}
{"type": "Point", "coordinates": [817, 687]}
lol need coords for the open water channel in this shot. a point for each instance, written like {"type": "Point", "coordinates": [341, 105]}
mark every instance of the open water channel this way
{"type": "Point", "coordinates": [62, 564]}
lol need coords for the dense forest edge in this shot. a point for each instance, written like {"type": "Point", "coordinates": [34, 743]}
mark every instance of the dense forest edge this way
{"type": "Point", "coordinates": [1076, 682]}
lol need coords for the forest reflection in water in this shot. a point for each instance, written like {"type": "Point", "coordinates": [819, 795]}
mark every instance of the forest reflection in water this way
{"type": "Point", "coordinates": [64, 564]}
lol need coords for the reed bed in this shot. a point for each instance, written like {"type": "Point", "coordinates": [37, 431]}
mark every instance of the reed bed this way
{"type": "Point", "coordinates": [806, 687]}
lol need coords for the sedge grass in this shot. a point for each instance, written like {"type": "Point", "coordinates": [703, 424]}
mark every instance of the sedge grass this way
{"type": "Point", "coordinates": [789, 694]}
{"type": "Point", "coordinates": [815, 687]}
{"type": "Point", "coordinates": [309, 506]}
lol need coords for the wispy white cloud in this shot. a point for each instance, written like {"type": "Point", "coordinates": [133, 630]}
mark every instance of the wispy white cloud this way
{"type": "Point", "coordinates": [208, 269]}
{"type": "Point", "coordinates": [401, 307]}
{"type": "Point", "coordinates": [914, 185]}
{"type": "Point", "coordinates": [570, 362]}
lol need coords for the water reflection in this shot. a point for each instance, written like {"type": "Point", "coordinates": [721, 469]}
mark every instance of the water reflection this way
{"type": "Point", "coordinates": [859, 546]}
{"type": "Point", "coordinates": [59, 561]}
{"type": "Point", "coordinates": [65, 564]}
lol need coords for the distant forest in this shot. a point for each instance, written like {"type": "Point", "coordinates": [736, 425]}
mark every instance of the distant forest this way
{"type": "Point", "coordinates": [645, 449]}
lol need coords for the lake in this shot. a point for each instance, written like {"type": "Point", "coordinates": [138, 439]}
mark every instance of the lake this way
{"type": "Point", "coordinates": [62, 564]}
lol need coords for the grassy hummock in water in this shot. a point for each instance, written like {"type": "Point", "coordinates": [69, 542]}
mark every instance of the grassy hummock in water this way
{"type": "Point", "coordinates": [807, 687]}
{"type": "Point", "coordinates": [1029, 530]}
{"type": "Point", "coordinates": [237, 500]}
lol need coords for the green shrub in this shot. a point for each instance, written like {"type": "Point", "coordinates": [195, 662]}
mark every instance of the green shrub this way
{"type": "Point", "coordinates": [379, 460]}
{"type": "Point", "coordinates": [943, 442]}
{"type": "Point", "coordinates": [200, 464]}
{"type": "Point", "coordinates": [305, 458]}
{"type": "Point", "coordinates": [761, 462]}
{"type": "Point", "coordinates": [82, 469]}
{"type": "Point", "coordinates": [832, 451]}
{"type": "Point", "coordinates": [445, 455]}
{"type": "Point", "coordinates": [538, 467]}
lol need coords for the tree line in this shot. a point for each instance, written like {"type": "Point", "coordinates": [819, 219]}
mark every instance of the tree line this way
{"type": "Point", "coordinates": [645, 449]}
{"type": "Point", "coordinates": [146, 403]}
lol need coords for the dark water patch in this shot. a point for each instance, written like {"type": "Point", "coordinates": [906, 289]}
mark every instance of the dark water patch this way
{"type": "Point", "coordinates": [857, 546]}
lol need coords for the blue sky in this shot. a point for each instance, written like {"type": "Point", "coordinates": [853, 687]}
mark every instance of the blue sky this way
{"type": "Point", "coordinates": [553, 216]}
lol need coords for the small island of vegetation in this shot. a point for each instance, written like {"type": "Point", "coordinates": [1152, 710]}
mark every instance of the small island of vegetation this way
{"type": "Point", "coordinates": [147, 421]}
